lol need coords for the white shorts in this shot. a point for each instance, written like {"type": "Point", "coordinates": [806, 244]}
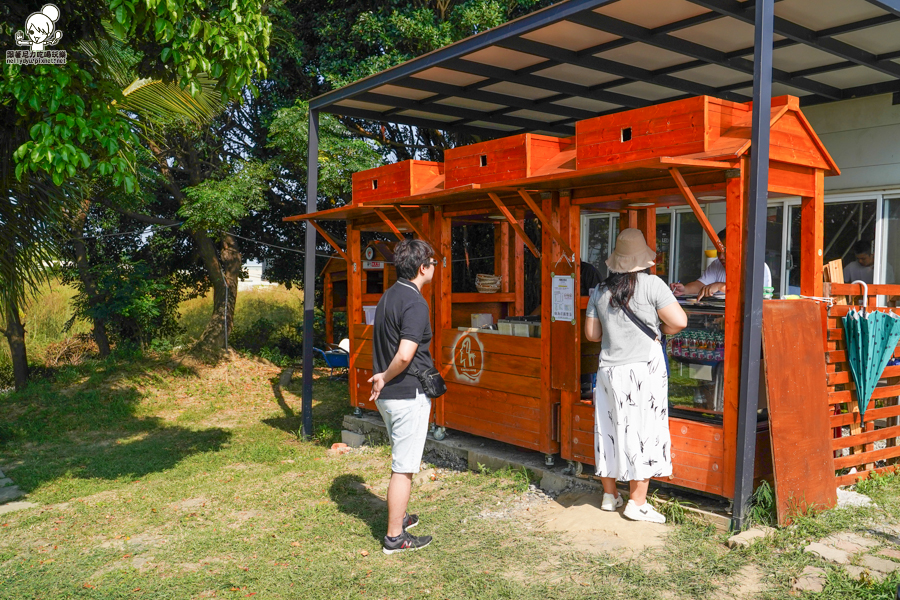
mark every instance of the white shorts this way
{"type": "Point", "coordinates": [407, 426]}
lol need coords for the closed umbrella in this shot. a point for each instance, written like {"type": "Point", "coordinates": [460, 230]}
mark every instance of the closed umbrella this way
{"type": "Point", "coordinates": [871, 338]}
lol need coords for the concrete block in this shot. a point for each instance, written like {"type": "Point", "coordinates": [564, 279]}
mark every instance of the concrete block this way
{"type": "Point", "coordinates": [353, 439]}
{"type": "Point", "coordinates": [554, 483]}
{"type": "Point", "coordinates": [14, 506]}
{"type": "Point", "coordinates": [746, 538]}
{"type": "Point", "coordinates": [882, 565]}
{"type": "Point", "coordinates": [488, 461]}
{"type": "Point", "coordinates": [811, 579]}
{"type": "Point", "coordinates": [10, 493]}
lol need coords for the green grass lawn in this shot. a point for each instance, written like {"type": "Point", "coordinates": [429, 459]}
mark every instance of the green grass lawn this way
{"type": "Point", "coordinates": [159, 479]}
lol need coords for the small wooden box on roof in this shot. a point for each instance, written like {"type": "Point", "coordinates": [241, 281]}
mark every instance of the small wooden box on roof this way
{"type": "Point", "coordinates": [527, 391]}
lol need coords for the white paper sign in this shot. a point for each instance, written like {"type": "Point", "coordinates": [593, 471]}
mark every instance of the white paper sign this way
{"type": "Point", "coordinates": [563, 294]}
{"type": "Point", "coordinates": [373, 265]}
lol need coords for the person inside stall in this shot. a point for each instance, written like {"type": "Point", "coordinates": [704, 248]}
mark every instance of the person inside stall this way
{"type": "Point", "coordinates": [713, 278]}
{"type": "Point", "coordinates": [863, 268]}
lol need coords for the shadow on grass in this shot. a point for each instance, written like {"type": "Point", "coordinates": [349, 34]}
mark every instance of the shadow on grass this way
{"type": "Point", "coordinates": [291, 421]}
{"type": "Point", "coordinates": [330, 404]}
{"type": "Point", "coordinates": [91, 429]}
{"type": "Point", "coordinates": [354, 498]}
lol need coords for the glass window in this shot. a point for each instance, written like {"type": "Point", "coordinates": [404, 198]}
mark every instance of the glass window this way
{"type": "Point", "coordinates": [663, 244]}
{"type": "Point", "coordinates": [845, 223]}
{"type": "Point", "coordinates": [689, 237]}
{"type": "Point", "coordinates": [599, 240]}
{"type": "Point", "coordinates": [891, 240]}
{"type": "Point", "coordinates": [774, 243]}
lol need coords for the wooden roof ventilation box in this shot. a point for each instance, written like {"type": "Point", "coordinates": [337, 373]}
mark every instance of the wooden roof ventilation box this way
{"type": "Point", "coordinates": [397, 180]}
{"type": "Point", "coordinates": [507, 159]}
{"type": "Point", "coordinates": [702, 128]}
{"type": "Point", "coordinates": [688, 126]}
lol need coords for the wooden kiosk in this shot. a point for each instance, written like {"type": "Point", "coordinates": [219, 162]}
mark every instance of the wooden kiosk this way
{"type": "Point", "coordinates": [526, 391]}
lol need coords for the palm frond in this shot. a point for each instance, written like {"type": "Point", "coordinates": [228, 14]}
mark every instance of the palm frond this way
{"type": "Point", "coordinates": [156, 99]}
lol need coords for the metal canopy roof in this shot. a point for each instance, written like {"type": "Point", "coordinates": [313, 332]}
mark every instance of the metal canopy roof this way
{"type": "Point", "coordinates": [582, 58]}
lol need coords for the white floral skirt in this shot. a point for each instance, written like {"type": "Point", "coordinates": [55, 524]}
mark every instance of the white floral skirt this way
{"type": "Point", "coordinates": [631, 420]}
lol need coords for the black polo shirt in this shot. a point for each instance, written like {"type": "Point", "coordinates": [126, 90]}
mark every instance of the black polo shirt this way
{"type": "Point", "coordinates": [402, 314]}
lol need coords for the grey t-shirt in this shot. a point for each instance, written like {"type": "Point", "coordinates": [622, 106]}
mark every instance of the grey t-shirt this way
{"type": "Point", "coordinates": [623, 342]}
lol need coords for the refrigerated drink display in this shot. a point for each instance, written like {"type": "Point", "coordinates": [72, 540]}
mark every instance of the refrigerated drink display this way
{"type": "Point", "coordinates": [696, 355]}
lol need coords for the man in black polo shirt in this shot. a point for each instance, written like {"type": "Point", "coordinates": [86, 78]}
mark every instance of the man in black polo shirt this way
{"type": "Point", "coordinates": [399, 350]}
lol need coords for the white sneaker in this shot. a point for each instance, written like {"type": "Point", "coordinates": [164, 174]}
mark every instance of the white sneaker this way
{"type": "Point", "coordinates": [611, 502]}
{"type": "Point", "coordinates": [644, 512]}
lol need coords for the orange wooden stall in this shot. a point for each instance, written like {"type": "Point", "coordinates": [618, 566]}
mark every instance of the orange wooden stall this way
{"type": "Point", "coordinates": [526, 391]}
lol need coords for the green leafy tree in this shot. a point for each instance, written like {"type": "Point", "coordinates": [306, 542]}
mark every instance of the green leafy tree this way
{"type": "Point", "coordinates": [68, 121]}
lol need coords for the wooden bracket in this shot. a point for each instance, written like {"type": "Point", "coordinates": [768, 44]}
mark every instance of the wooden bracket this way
{"type": "Point", "coordinates": [417, 230]}
{"type": "Point", "coordinates": [545, 222]}
{"type": "Point", "coordinates": [390, 224]}
{"type": "Point", "coordinates": [515, 224]}
{"type": "Point", "coordinates": [695, 206]}
{"type": "Point", "coordinates": [329, 240]}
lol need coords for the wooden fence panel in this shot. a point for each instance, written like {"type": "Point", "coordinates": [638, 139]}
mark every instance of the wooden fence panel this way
{"type": "Point", "coordinates": [860, 450]}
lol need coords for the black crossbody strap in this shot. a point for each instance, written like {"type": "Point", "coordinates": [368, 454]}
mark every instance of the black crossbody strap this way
{"type": "Point", "coordinates": [641, 325]}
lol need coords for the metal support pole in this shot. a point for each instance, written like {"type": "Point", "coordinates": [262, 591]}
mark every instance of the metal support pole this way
{"type": "Point", "coordinates": [754, 258]}
{"type": "Point", "coordinates": [309, 273]}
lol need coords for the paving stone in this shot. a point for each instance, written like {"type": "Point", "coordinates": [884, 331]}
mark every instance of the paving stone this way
{"type": "Point", "coordinates": [10, 493]}
{"type": "Point", "coordinates": [841, 542]}
{"type": "Point", "coordinates": [2, 475]}
{"type": "Point", "coordinates": [855, 538]}
{"type": "Point", "coordinates": [882, 565]}
{"type": "Point", "coordinates": [748, 583]}
{"type": "Point", "coordinates": [422, 477]}
{"type": "Point", "coordinates": [745, 538]}
{"type": "Point", "coordinates": [353, 439]}
{"type": "Point", "coordinates": [890, 553]}
{"type": "Point", "coordinates": [812, 579]}
{"type": "Point", "coordinates": [857, 573]}
{"type": "Point", "coordinates": [5, 482]}
{"type": "Point", "coordinates": [847, 498]}
{"type": "Point", "coordinates": [14, 506]}
{"type": "Point", "coordinates": [829, 553]}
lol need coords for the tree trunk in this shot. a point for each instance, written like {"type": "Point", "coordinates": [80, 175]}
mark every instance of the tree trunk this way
{"type": "Point", "coordinates": [223, 273]}
{"type": "Point", "coordinates": [87, 280]}
{"type": "Point", "coordinates": [15, 336]}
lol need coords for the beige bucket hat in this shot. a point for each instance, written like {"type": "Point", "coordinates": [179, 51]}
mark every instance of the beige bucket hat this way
{"type": "Point", "coordinates": [631, 254]}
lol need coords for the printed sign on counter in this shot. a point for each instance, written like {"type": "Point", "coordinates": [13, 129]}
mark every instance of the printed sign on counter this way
{"type": "Point", "coordinates": [563, 294]}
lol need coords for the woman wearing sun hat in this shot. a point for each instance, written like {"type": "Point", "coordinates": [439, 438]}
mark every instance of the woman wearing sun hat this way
{"type": "Point", "coordinates": [628, 312]}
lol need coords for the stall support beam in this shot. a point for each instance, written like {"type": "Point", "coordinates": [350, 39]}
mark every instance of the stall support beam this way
{"type": "Point", "coordinates": [812, 241]}
{"type": "Point", "coordinates": [328, 239]}
{"type": "Point", "coordinates": [545, 222]}
{"type": "Point", "coordinates": [390, 224]}
{"type": "Point", "coordinates": [418, 231]}
{"type": "Point", "coordinates": [309, 273]}
{"type": "Point", "coordinates": [515, 224]}
{"type": "Point", "coordinates": [695, 206]}
{"type": "Point", "coordinates": [754, 260]}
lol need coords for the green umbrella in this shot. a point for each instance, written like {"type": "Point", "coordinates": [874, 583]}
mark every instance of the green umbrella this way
{"type": "Point", "coordinates": [871, 338]}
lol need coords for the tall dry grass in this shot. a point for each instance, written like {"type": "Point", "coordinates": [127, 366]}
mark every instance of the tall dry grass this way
{"type": "Point", "coordinates": [45, 315]}
{"type": "Point", "coordinates": [278, 304]}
